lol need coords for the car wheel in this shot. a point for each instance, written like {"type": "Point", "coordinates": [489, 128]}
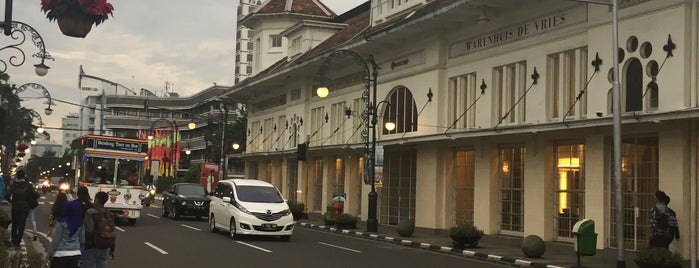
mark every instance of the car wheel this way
{"type": "Point", "coordinates": [285, 237]}
{"type": "Point", "coordinates": [233, 230]}
{"type": "Point", "coordinates": [165, 212]}
{"type": "Point", "coordinates": [212, 224]}
{"type": "Point", "coordinates": [175, 215]}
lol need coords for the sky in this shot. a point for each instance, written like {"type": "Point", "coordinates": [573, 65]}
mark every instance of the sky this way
{"type": "Point", "coordinates": [146, 44]}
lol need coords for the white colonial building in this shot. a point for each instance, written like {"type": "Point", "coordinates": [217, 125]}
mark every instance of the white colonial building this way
{"type": "Point", "coordinates": [516, 135]}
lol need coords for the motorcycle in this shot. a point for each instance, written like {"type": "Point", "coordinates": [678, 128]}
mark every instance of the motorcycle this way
{"type": "Point", "coordinates": [149, 196]}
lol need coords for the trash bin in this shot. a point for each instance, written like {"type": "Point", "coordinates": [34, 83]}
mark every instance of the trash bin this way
{"type": "Point", "coordinates": [585, 237]}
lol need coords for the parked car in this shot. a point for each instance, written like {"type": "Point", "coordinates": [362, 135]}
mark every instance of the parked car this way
{"type": "Point", "coordinates": [250, 207]}
{"type": "Point", "coordinates": [185, 199]}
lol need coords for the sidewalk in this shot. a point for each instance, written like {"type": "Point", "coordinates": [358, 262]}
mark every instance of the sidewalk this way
{"type": "Point", "coordinates": [27, 241]}
{"type": "Point", "coordinates": [496, 248]}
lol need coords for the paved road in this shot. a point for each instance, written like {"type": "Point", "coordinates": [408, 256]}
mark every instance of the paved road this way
{"type": "Point", "coordinates": [163, 242]}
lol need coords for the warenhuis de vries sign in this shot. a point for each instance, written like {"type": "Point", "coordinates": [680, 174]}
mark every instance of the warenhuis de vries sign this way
{"type": "Point", "coordinates": [549, 22]}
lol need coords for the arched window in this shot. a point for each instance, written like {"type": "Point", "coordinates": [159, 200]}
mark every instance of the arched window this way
{"type": "Point", "coordinates": [634, 85]}
{"type": "Point", "coordinates": [402, 111]}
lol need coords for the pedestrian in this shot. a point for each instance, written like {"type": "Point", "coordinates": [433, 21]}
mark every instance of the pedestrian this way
{"type": "Point", "coordinates": [672, 220]}
{"type": "Point", "coordinates": [84, 198]}
{"type": "Point", "coordinates": [96, 255]}
{"type": "Point", "coordinates": [659, 221]}
{"type": "Point", "coordinates": [33, 204]}
{"type": "Point", "coordinates": [68, 239]}
{"type": "Point", "coordinates": [19, 195]}
{"type": "Point", "coordinates": [56, 211]}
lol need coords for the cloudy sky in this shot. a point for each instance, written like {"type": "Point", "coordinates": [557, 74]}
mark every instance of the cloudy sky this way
{"type": "Point", "coordinates": [147, 43]}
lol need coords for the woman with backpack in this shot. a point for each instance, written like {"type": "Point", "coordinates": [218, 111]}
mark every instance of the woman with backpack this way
{"type": "Point", "coordinates": [659, 221]}
{"type": "Point", "coordinates": [68, 238]}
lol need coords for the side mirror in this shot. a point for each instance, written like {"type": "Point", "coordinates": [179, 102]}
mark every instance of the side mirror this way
{"type": "Point", "coordinates": [226, 199]}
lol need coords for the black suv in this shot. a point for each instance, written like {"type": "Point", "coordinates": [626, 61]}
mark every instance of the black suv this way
{"type": "Point", "coordinates": [186, 199]}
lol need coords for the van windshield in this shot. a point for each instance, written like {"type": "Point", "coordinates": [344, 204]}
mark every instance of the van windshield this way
{"type": "Point", "coordinates": [258, 194]}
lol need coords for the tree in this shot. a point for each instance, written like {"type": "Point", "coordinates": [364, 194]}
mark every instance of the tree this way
{"type": "Point", "coordinates": [193, 174]}
{"type": "Point", "coordinates": [13, 114]}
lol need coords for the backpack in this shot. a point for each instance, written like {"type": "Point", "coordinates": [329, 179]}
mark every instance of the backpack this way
{"type": "Point", "coordinates": [20, 196]}
{"type": "Point", "coordinates": [104, 233]}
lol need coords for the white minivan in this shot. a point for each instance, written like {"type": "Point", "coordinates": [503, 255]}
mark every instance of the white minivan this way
{"type": "Point", "coordinates": [250, 207]}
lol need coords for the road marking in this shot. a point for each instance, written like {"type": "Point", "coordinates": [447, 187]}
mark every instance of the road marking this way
{"type": "Point", "coordinates": [348, 249]}
{"type": "Point", "coordinates": [253, 246]}
{"type": "Point", "coordinates": [154, 206]}
{"type": "Point", "coordinates": [153, 216]}
{"type": "Point", "coordinates": [190, 227]}
{"type": "Point", "coordinates": [119, 228]}
{"type": "Point", "coordinates": [43, 197]}
{"type": "Point", "coordinates": [41, 203]}
{"type": "Point", "coordinates": [156, 248]}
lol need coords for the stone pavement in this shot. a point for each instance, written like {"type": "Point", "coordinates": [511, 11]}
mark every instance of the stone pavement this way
{"type": "Point", "coordinates": [495, 248]}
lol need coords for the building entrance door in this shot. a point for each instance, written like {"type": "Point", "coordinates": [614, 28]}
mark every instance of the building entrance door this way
{"type": "Point", "coordinates": [639, 179]}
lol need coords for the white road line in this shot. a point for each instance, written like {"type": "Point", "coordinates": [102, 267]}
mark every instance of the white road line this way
{"type": "Point", "coordinates": [253, 246]}
{"type": "Point", "coordinates": [154, 206]}
{"type": "Point", "coordinates": [348, 249]}
{"type": "Point", "coordinates": [119, 228]}
{"type": "Point", "coordinates": [156, 248]}
{"type": "Point", "coordinates": [43, 197]}
{"type": "Point", "coordinates": [190, 227]}
{"type": "Point", "coordinates": [41, 203]}
{"type": "Point", "coordinates": [153, 216]}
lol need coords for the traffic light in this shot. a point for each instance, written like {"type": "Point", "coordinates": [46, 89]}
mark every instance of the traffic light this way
{"type": "Point", "coordinates": [301, 152]}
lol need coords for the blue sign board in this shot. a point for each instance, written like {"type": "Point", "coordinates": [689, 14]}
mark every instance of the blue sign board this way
{"type": "Point", "coordinates": [116, 145]}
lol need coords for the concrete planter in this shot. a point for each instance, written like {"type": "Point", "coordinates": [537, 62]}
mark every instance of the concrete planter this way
{"type": "Point", "coordinates": [406, 227]}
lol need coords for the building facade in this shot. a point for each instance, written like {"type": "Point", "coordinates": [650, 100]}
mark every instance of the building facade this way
{"type": "Point", "coordinates": [503, 113]}
{"type": "Point", "coordinates": [71, 129]}
{"type": "Point", "coordinates": [243, 42]}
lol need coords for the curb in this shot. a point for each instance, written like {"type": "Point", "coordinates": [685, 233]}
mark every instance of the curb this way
{"type": "Point", "coordinates": [435, 248]}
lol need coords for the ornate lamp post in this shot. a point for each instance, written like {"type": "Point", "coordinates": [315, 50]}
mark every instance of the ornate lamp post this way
{"type": "Point", "coordinates": [15, 30]}
{"type": "Point", "coordinates": [369, 119]}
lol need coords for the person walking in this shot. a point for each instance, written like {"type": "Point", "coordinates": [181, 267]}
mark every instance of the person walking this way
{"type": "Point", "coordinates": [84, 199]}
{"type": "Point", "coordinates": [68, 239]}
{"type": "Point", "coordinates": [19, 196]}
{"type": "Point", "coordinates": [659, 221]}
{"type": "Point", "coordinates": [56, 211]}
{"type": "Point", "coordinates": [33, 204]}
{"type": "Point", "coordinates": [96, 256]}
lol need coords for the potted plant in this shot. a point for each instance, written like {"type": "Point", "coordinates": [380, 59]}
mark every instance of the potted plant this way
{"type": "Point", "coordinates": [346, 221]}
{"type": "Point", "coordinates": [296, 209]}
{"type": "Point", "coordinates": [655, 257]}
{"type": "Point", "coordinates": [465, 235]}
{"type": "Point", "coordinates": [75, 17]}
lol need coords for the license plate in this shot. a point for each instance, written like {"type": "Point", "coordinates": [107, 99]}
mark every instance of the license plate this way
{"type": "Point", "coordinates": [269, 226]}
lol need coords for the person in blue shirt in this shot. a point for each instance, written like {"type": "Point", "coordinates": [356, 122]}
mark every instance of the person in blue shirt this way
{"type": "Point", "coordinates": [2, 190]}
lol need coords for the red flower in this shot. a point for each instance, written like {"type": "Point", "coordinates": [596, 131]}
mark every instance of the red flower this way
{"type": "Point", "coordinates": [96, 11]}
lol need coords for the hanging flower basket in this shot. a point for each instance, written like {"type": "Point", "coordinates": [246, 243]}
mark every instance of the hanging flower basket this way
{"type": "Point", "coordinates": [76, 17]}
{"type": "Point", "coordinates": [74, 27]}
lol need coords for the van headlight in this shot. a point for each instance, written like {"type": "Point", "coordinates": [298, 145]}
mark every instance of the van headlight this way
{"type": "Point", "coordinates": [241, 208]}
{"type": "Point", "coordinates": [183, 202]}
{"type": "Point", "coordinates": [286, 212]}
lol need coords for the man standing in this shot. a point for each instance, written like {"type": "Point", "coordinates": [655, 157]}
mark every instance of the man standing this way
{"type": "Point", "coordinates": [96, 253]}
{"type": "Point", "coordinates": [19, 194]}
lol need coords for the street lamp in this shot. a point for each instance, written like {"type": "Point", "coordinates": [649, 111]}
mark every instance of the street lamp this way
{"type": "Point", "coordinates": [369, 119]}
{"type": "Point", "coordinates": [616, 110]}
{"type": "Point", "coordinates": [235, 146]}
{"type": "Point", "coordinates": [15, 30]}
